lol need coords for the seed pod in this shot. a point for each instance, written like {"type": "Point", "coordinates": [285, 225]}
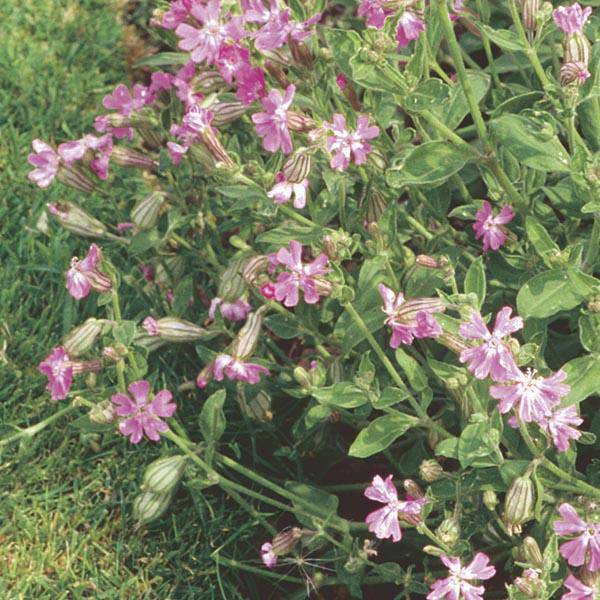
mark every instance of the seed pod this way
{"type": "Point", "coordinates": [149, 506]}
{"type": "Point", "coordinates": [172, 329]}
{"type": "Point", "coordinates": [573, 72]}
{"type": "Point", "coordinates": [126, 157]}
{"type": "Point", "coordinates": [82, 338]}
{"type": "Point", "coordinates": [257, 408]}
{"type": "Point", "coordinates": [170, 270]}
{"type": "Point", "coordinates": [231, 284]}
{"type": "Point", "coordinates": [254, 267]}
{"type": "Point", "coordinates": [76, 220]}
{"type": "Point", "coordinates": [299, 122]}
{"type": "Point", "coordinates": [145, 213]}
{"type": "Point", "coordinates": [75, 178]}
{"type": "Point", "coordinates": [577, 49]}
{"type": "Point", "coordinates": [427, 261]}
{"type": "Point", "coordinates": [226, 112]}
{"type": "Point", "coordinates": [532, 553]}
{"type": "Point", "coordinates": [285, 541]}
{"type": "Point", "coordinates": [277, 73]}
{"type": "Point", "coordinates": [376, 206]}
{"type": "Point", "coordinates": [300, 53]}
{"type": "Point", "coordinates": [103, 413]}
{"type": "Point", "coordinates": [301, 376]}
{"type": "Point", "coordinates": [449, 531]}
{"type": "Point", "coordinates": [518, 504]}
{"type": "Point", "coordinates": [297, 167]}
{"type": "Point", "coordinates": [207, 82]}
{"type": "Point", "coordinates": [490, 500]}
{"type": "Point", "coordinates": [164, 474]}
{"type": "Point", "coordinates": [530, 10]}
{"type": "Point", "coordinates": [413, 489]}
{"type": "Point", "coordinates": [247, 338]}
{"type": "Point", "coordinates": [430, 470]}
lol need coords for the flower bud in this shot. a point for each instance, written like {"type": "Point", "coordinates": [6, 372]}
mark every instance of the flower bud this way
{"type": "Point", "coordinates": [170, 270]}
{"type": "Point", "coordinates": [300, 53]}
{"type": "Point", "coordinates": [75, 178]}
{"type": "Point", "coordinates": [164, 474]}
{"type": "Point", "coordinates": [448, 531]}
{"type": "Point", "coordinates": [207, 82]}
{"type": "Point", "coordinates": [254, 267]}
{"type": "Point", "coordinates": [299, 122]}
{"type": "Point", "coordinates": [103, 413]}
{"type": "Point", "coordinates": [589, 577]}
{"type": "Point", "coordinates": [146, 211]}
{"type": "Point", "coordinates": [430, 470]}
{"type": "Point", "coordinates": [532, 553]}
{"type": "Point", "coordinates": [427, 261]}
{"type": "Point", "coordinates": [577, 49]}
{"type": "Point", "coordinates": [413, 489]}
{"type": "Point", "coordinates": [76, 220]}
{"type": "Point", "coordinates": [231, 284]}
{"type": "Point", "coordinates": [297, 167]}
{"type": "Point", "coordinates": [226, 112]}
{"type": "Point", "coordinates": [377, 159]}
{"type": "Point", "coordinates": [376, 206]}
{"type": "Point", "coordinates": [126, 157]}
{"type": "Point", "coordinates": [301, 376]}
{"type": "Point", "coordinates": [528, 16]}
{"type": "Point", "coordinates": [247, 338]}
{"type": "Point", "coordinates": [172, 329]}
{"type": "Point", "coordinates": [82, 338]}
{"type": "Point", "coordinates": [573, 73]}
{"type": "Point", "coordinates": [149, 506]}
{"type": "Point", "coordinates": [277, 73]}
{"type": "Point", "coordinates": [285, 541]}
{"type": "Point", "coordinates": [518, 504]}
{"type": "Point", "coordinates": [433, 551]}
{"type": "Point", "coordinates": [490, 500]}
{"type": "Point", "coordinates": [257, 408]}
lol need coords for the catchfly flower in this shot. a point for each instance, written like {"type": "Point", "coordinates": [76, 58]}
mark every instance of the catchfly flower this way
{"type": "Point", "coordinates": [385, 522]}
{"type": "Point", "coordinates": [409, 319]}
{"type": "Point", "coordinates": [46, 162]}
{"type": "Point", "coordinates": [84, 276]}
{"type": "Point", "coordinates": [232, 368]}
{"type": "Point", "coordinates": [410, 27]}
{"type": "Point", "coordinates": [283, 191]}
{"type": "Point", "coordinates": [534, 396]}
{"type": "Point", "coordinates": [571, 19]}
{"type": "Point", "coordinates": [375, 12]}
{"type": "Point", "coordinates": [578, 590]}
{"type": "Point", "coordinates": [585, 548]}
{"type": "Point", "coordinates": [561, 426]}
{"type": "Point", "coordinates": [345, 144]}
{"type": "Point", "coordinates": [267, 555]}
{"type": "Point", "coordinates": [143, 415]}
{"type": "Point", "coordinates": [272, 125]}
{"type": "Point", "coordinates": [493, 357]}
{"type": "Point", "coordinates": [458, 584]}
{"type": "Point", "coordinates": [491, 227]}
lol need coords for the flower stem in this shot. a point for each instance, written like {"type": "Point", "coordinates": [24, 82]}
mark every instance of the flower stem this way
{"type": "Point", "coordinates": [423, 529]}
{"type": "Point", "coordinates": [582, 486]}
{"type": "Point", "coordinates": [292, 214]}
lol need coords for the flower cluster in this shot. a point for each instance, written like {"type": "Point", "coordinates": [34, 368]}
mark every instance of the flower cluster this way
{"type": "Point", "coordinates": [585, 547]}
{"type": "Point", "coordinates": [409, 25]}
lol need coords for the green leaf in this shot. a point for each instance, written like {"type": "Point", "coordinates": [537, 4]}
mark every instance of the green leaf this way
{"type": "Point", "coordinates": [124, 332]}
{"type": "Point", "coordinates": [589, 332]}
{"type": "Point", "coordinates": [163, 59]}
{"type": "Point", "coordinates": [453, 111]}
{"type": "Point", "coordinates": [503, 38]}
{"type": "Point", "coordinates": [544, 245]}
{"type": "Point", "coordinates": [343, 394]}
{"type": "Point", "coordinates": [526, 142]}
{"type": "Point", "coordinates": [281, 236]}
{"type": "Point", "coordinates": [344, 44]}
{"type": "Point", "coordinates": [374, 75]}
{"type": "Point", "coordinates": [474, 444]}
{"type": "Point", "coordinates": [84, 424]}
{"type": "Point", "coordinates": [583, 375]}
{"type": "Point", "coordinates": [414, 373]}
{"type": "Point", "coordinates": [448, 448]}
{"type": "Point", "coordinates": [184, 292]}
{"type": "Point", "coordinates": [553, 291]}
{"type": "Point", "coordinates": [324, 503]}
{"type": "Point", "coordinates": [390, 396]}
{"type": "Point", "coordinates": [380, 433]}
{"type": "Point", "coordinates": [475, 280]}
{"type": "Point", "coordinates": [429, 164]}
{"type": "Point", "coordinates": [144, 241]}
{"type": "Point", "coordinates": [212, 418]}
{"type": "Point", "coordinates": [282, 326]}
{"type": "Point", "coordinates": [427, 95]}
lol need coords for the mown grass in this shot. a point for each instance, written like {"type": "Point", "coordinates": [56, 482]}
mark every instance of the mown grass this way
{"type": "Point", "coordinates": [66, 529]}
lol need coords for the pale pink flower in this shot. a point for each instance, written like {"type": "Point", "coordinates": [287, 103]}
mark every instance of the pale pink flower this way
{"type": "Point", "coordinates": [375, 12]}
{"type": "Point", "coordinates": [206, 42]}
{"type": "Point", "coordinates": [46, 162]}
{"type": "Point", "coordinates": [458, 585]}
{"type": "Point", "coordinates": [588, 538]}
{"type": "Point", "coordinates": [298, 276]}
{"type": "Point", "coordinates": [59, 370]}
{"type": "Point", "coordinates": [177, 14]}
{"type": "Point", "coordinates": [125, 226]}
{"type": "Point", "coordinates": [123, 101]}
{"type": "Point", "coordinates": [409, 28]}
{"type": "Point", "coordinates": [283, 191]}
{"type": "Point", "coordinates": [98, 147]}
{"type": "Point", "coordinates": [237, 370]}
{"type": "Point", "coordinates": [251, 85]}
{"type": "Point", "coordinates": [271, 125]}
{"type": "Point", "coordinates": [491, 227]}
{"type": "Point", "coordinates": [231, 60]}
{"type": "Point", "coordinates": [267, 555]}
{"type": "Point", "coordinates": [571, 19]}
{"type": "Point", "coordinates": [561, 426]}
{"type": "Point", "coordinates": [535, 396]}
{"type": "Point", "coordinates": [345, 144]}
{"type": "Point", "coordinates": [578, 590]}
{"type": "Point", "coordinates": [409, 319]}
{"type": "Point", "coordinates": [150, 324]}
{"type": "Point", "coordinates": [176, 151]}
{"type": "Point", "coordinates": [102, 125]}
{"type": "Point", "coordinates": [145, 415]}
{"type": "Point", "coordinates": [232, 311]}
{"type": "Point", "coordinates": [160, 81]}
{"type": "Point", "coordinates": [493, 357]}
{"type": "Point", "coordinates": [84, 276]}
{"type": "Point", "coordinates": [384, 522]}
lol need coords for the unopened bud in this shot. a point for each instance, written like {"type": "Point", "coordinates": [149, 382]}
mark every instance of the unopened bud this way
{"type": "Point", "coordinates": [301, 376]}
{"type": "Point", "coordinates": [433, 551]}
{"type": "Point", "coordinates": [532, 553]}
{"type": "Point", "coordinates": [254, 267]}
{"type": "Point", "coordinates": [297, 167]}
{"type": "Point", "coordinates": [448, 531]}
{"type": "Point", "coordinates": [490, 500]}
{"type": "Point", "coordinates": [257, 408]}
{"type": "Point", "coordinates": [76, 220]}
{"type": "Point", "coordinates": [285, 541]}
{"type": "Point", "coordinates": [413, 489]}
{"type": "Point", "coordinates": [300, 53]}
{"type": "Point", "coordinates": [126, 157]}
{"type": "Point", "coordinates": [530, 11]}
{"type": "Point", "coordinates": [247, 338]}
{"type": "Point", "coordinates": [164, 474]}
{"type": "Point", "coordinates": [518, 504]}
{"type": "Point", "coordinates": [82, 338]}
{"type": "Point", "coordinates": [430, 470]}
{"type": "Point", "coordinates": [299, 122]}
{"type": "Point", "coordinates": [227, 112]}
{"type": "Point", "coordinates": [427, 261]}
{"type": "Point", "coordinates": [149, 506]}
{"type": "Point", "coordinates": [173, 329]}
{"type": "Point", "coordinates": [146, 212]}
{"type": "Point", "coordinates": [207, 82]}
{"type": "Point", "coordinates": [232, 284]}
{"type": "Point", "coordinates": [277, 73]}
{"type": "Point", "coordinates": [377, 159]}
{"type": "Point", "coordinates": [103, 413]}
{"type": "Point", "coordinates": [573, 73]}
{"type": "Point", "coordinates": [75, 178]}
{"type": "Point", "coordinates": [594, 304]}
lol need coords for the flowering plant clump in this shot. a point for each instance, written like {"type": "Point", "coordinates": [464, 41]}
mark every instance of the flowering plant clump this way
{"type": "Point", "coordinates": [357, 241]}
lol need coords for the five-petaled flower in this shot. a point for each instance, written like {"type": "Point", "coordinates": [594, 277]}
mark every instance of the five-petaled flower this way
{"type": "Point", "coordinates": [578, 590]}
{"type": "Point", "coordinates": [493, 357]}
{"type": "Point", "coordinates": [385, 522]}
{"type": "Point", "coordinates": [491, 227]}
{"type": "Point", "coordinates": [272, 125]}
{"type": "Point", "coordinates": [458, 585]}
{"type": "Point", "coordinates": [283, 191]}
{"type": "Point", "coordinates": [145, 415]}
{"type": "Point", "coordinates": [46, 162]}
{"type": "Point", "coordinates": [561, 426]}
{"type": "Point", "coordinates": [571, 19]}
{"type": "Point", "coordinates": [409, 28]}
{"type": "Point", "coordinates": [83, 276]}
{"type": "Point", "coordinates": [345, 144]}
{"type": "Point", "coordinates": [585, 548]}
{"type": "Point", "coordinates": [375, 12]}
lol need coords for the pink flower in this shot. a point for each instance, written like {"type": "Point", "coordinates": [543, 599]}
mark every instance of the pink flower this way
{"type": "Point", "coordinates": [177, 14]}
{"type": "Point", "coordinates": [298, 276]}
{"type": "Point", "coordinates": [493, 357]}
{"type": "Point", "coordinates": [375, 12]}
{"type": "Point", "coordinates": [145, 415]}
{"type": "Point", "coordinates": [577, 590]}
{"type": "Point", "coordinates": [588, 538]}
{"type": "Point", "coordinates": [344, 144]}
{"type": "Point", "coordinates": [409, 28]}
{"type": "Point", "coordinates": [409, 320]}
{"type": "Point", "coordinates": [535, 396]}
{"type": "Point", "coordinates": [206, 42]}
{"type": "Point", "coordinates": [341, 81]}
{"type": "Point", "coordinates": [83, 275]}
{"type": "Point", "coordinates": [100, 147]}
{"type": "Point", "coordinates": [457, 584]}
{"type": "Point", "coordinates": [102, 125]}
{"type": "Point", "coordinates": [283, 191]}
{"type": "Point", "coordinates": [571, 19]}
{"type": "Point", "coordinates": [150, 324]}
{"type": "Point", "coordinates": [232, 311]}
{"type": "Point", "coordinates": [46, 162]}
{"type": "Point", "coordinates": [160, 81]}
{"type": "Point", "coordinates": [490, 227]}
{"type": "Point", "coordinates": [59, 370]}
{"type": "Point", "coordinates": [272, 125]}
{"type": "Point", "coordinates": [231, 60]}
{"type": "Point", "coordinates": [124, 102]}
{"type": "Point", "coordinates": [559, 426]}
{"type": "Point", "coordinates": [236, 370]}
{"type": "Point", "coordinates": [267, 555]}
{"type": "Point", "coordinates": [384, 522]}
{"type": "Point", "coordinates": [251, 85]}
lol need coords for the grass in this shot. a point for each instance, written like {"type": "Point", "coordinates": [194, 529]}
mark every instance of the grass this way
{"type": "Point", "coordinates": [66, 529]}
